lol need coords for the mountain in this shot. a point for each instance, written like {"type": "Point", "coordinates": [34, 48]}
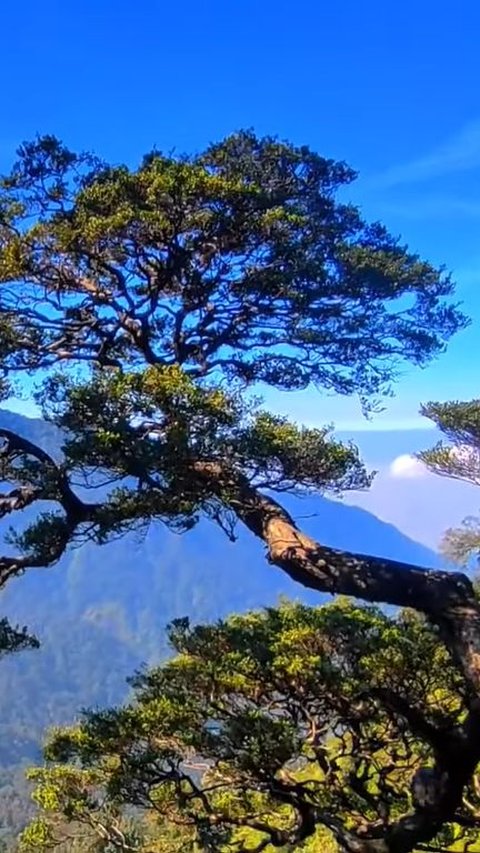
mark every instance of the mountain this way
{"type": "Point", "coordinates": [101, 612]}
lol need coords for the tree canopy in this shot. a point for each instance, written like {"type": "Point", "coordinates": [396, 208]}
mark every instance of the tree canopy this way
{"type": "Point", "coordinates": [458, 458]}
{"type": "Point", "coordinates": [238, 261]}
{"type": "Point", "coordinates": [153, 299]}
{"type": "Point", "coordinates": [15, 639]}
{"type": "Point", "coordinates": [270, 730]}
{"type": "Point", "coordinates": [151, 304]}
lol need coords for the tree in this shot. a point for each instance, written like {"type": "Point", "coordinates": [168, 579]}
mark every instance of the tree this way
{"type": "Point", "coordinates": [15, 639]}
{"type": "Point", "coordinates": [269, 729]}
{"type": "Point", "coordinates": [459, 459]}
{"type": "Point", "coordinates": [155, 301]}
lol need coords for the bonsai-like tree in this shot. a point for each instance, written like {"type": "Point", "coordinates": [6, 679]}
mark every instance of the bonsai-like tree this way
{"type": "Point", "coordinates": [149, 304]}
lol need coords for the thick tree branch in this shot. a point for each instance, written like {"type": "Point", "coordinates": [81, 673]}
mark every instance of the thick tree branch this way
{"type": "Point", "coordinates": [18, 499]}
{"type": "Point", "coordinates": [447, 598]}
{"type": "Point", "coordinates": [16, 445]}
{"type": "Point", "coordinates": [53, 486]}
{"type": "Point", "coordinates": [437, 736]}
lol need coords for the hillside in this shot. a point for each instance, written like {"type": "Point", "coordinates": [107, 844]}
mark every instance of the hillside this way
{"type": "Point", "coordinates": [102, 611]}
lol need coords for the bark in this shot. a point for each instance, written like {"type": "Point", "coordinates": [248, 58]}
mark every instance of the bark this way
{"type": "Point", "coordinates": [447, 598]}
{"type": "Point", "coordinates": [55, 487]}
{"type": "Point", "coordinates": [457, 756]}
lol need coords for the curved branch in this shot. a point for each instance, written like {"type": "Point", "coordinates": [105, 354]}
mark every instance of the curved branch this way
{"type": "Point", "coordinates": [16, 444]}
{"type": "Point", "coordinates": [57, 488]}
{"type": "Point", "coordinates": [447, 598]}
{"type": "Point", "coordinates": [439, 737]}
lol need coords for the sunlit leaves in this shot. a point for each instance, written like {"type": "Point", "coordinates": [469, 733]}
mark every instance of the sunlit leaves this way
{"type": "Point", "coordinates": [238, 261]}
{"type": "Point", "coordinates": [262, 717]}
{"type": "Point", "coordinates": [151, 299]}
{"type": "Point", "coordinates": [141, 435]}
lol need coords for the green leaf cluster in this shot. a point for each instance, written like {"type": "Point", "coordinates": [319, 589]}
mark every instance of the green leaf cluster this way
{"type": "Point", "coordinates": [457, 458]}
{"type": "Point", "coordinates": [239, 260]}
{"type": "Point", "coordinates": [268, 728]}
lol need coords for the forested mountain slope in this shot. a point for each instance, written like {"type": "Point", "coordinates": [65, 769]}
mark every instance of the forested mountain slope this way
{"type": "Point", "coordinates": [101, 612]}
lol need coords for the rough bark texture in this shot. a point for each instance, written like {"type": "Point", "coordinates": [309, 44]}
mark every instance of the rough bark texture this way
{"type": "Point", "coordinates": [446, 598]}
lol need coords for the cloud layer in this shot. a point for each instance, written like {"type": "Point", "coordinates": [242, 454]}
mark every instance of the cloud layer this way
{"type": "Point", "coordinates": [460, 153]}
{"type": "Point", "coordinates": [407, 467]}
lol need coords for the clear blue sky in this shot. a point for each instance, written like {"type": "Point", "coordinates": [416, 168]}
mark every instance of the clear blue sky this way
{"type": "Point", "coordinates": [391, 88]}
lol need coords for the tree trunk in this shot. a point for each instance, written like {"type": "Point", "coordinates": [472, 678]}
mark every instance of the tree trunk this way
{"type": "Point", "coordinates": [447, 598]}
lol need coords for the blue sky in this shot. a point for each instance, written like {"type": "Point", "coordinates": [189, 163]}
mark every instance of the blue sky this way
{"type": "Point", "coordinates": [391, 88]}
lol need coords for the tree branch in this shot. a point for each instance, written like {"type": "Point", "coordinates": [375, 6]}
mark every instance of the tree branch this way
{"type": "Point", "coordinates": [447, 598]}
{"type": "Point", "coordinates": [55, 487]}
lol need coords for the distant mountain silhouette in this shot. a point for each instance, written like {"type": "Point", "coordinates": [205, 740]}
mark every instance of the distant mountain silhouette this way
{"type": "Point", "coordinates": [102, 611]}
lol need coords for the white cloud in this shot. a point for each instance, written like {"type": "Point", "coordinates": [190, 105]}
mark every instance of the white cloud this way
{"type": "Point", "coordinates": [460, 153]}
{"type": "Point", "coordinates": [407, 467]}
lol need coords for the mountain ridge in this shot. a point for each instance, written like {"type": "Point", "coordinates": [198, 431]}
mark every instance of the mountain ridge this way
{"type": "Point", "coordinates": [101, 611]}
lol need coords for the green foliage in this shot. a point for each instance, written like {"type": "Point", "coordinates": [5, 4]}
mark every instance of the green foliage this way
{"type": "Point", "coordinates": [155, 300]}
{"type": "Point", "coordinates": [102, 612]}
{"type": "Point", "coordinates": [154, 426]}
{"type": "Point", "coordinates": [164, 293]}
{"type": "Point", "coordinates": [239, 259]}
{"type": "Point", "coordinates": [269, 728]}
{"type": "Point", "coordinates": [459, 459]}
{"type": "Point", "coordinates": [15, 639]}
